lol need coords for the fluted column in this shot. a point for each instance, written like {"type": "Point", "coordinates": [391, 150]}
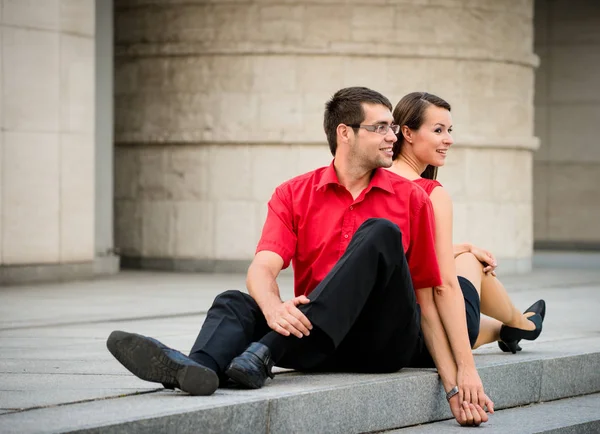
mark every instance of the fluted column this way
{"type": "Point", "coordinates": [216, 103]}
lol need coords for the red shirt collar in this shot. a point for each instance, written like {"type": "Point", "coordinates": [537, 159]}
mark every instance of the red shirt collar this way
{"type": "Point", "coordinates": [380, 179]}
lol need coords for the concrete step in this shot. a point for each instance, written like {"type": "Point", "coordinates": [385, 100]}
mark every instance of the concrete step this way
{"type": "Point", "coordinates": [332, 403]}
{"type": "Point", "coordinates": [566, 416]}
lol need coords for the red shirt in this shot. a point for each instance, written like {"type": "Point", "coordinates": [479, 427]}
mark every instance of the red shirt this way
{"type": "Point", "coordinates": [427, 184]}
{"type": "Point", "coordinates": [312, 218]}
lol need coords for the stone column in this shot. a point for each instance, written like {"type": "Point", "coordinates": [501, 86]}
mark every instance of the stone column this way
{"type": "Point", "coordinates": [216, 103]}
{"type": "Point", "coordinates": [46, 143]}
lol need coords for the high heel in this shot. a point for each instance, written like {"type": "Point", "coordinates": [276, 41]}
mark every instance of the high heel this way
{"type": "Point", "coordinates": [511, 335]}
{"type": "Point", "coordinates": [539, 307]}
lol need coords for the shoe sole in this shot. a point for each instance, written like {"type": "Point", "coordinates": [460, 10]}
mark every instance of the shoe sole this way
{"type": "Point", "coordinates": [240, 377]}
{"type": "Point", "coordinates": [147, 361]}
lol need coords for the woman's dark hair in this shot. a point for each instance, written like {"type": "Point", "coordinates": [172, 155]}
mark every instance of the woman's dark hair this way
{"type": "Point", "coordinates": [410, 111]}
{"type": "Point", "coordinates": [345, 107]}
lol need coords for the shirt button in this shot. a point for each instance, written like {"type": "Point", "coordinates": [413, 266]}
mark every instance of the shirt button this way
{"type": "Point", "coordinates": [351, 208]}
{"type": "Point", "coordinates": [346, 236]}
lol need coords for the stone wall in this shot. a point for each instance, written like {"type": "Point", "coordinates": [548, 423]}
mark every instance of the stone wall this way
{"type": "Point", "coordinates": [217, 102]}
{"type": "Point", "coordinates": [46, 139]}
{"type": "Point", "coordinates": [567, 105]}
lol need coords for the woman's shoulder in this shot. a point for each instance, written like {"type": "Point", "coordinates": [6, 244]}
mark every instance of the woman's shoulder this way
{"type": "Point", "coordinates": [427, 184]}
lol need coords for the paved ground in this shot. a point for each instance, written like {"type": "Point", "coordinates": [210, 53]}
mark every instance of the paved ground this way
{"type": "Point", "coordinates": [52, 336]}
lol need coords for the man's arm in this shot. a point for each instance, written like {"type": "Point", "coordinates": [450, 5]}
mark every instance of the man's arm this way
{"type": "Point", "coordinates": [283, 317]}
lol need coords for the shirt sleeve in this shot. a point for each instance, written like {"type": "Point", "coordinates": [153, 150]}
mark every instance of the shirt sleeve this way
{"type": "Point", "coordinates": [278, 234]}
{"type": "Point", "coordinates": [422, 260]}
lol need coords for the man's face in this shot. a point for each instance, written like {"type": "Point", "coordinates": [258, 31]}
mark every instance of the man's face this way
{"type": "Point", "coordinates": [370, 149]}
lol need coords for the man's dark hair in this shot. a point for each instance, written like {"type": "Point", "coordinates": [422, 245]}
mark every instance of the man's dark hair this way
{"type": "Point", "coordinates": [345, 107]}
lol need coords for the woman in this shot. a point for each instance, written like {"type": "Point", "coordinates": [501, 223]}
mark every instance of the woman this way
{"type": "Point", "coordinates": [468, 273]}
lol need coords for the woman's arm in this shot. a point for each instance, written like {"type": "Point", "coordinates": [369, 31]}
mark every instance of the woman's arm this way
{"type": "Point", "coordinates": [450, 302]}
{"type": "Point", "coordinates": [437, 343]}
{"type": "Point", "coordinates": [459, 249]}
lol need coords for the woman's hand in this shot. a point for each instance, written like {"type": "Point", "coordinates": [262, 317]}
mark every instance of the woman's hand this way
{"type": "Point", "coordinates": [486, 258]}
{"type": "Point", "coordinates": [468, 414]}
{"type": "Point", "coordinates": [470, 387]}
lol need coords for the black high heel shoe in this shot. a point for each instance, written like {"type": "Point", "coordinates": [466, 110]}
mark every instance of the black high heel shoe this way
{"type": "Point", "coordinates": [509, 339]}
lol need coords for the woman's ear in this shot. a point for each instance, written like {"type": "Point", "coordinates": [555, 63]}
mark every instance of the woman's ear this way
{"type": "Point", "coordinates": [407, 133]}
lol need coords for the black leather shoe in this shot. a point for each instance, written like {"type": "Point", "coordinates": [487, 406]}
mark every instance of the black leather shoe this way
{"type": "Point", "coordinates": [151, 360]}
{"type": "Point", "coordinates": [538, 307]}
{"type": "Point", "coordinates": [251, 368]}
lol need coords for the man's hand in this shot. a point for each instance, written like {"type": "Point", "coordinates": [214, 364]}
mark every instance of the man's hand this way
{"type": "Point", "coordinates": [287, 319]}
{"type": "Point", "coordinates": [469, 414]}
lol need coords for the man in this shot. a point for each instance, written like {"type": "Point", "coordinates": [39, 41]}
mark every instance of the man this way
{"type": "Point", "coordinates": [361, 241]}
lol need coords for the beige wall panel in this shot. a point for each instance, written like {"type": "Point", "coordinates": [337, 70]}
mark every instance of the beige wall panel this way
{"type": "Point", "coordinates": [542, 131]}
{"type": "Point", "coordinates": [77, 197]}
{"type": "Point", "coordinates": [235, 235]}
{"type": "Point", "coordinates": [127, 172]}
{"type": "Point", "coordinates": [573, 133]}
{"type": "Point", "coordinates": [280, 117]}
{"type": "Point", "coordinates": [511, 174]}
{"type": "Point", "coordinates": [158, 229]}
{"type": "Point", "coordinates": [282, 21]}
{"type": "Point", "coordinates": [188, 173]}
{"type": "Point", "coordinates": [310, 157]}
{"type": "Point", "coordinates": [503, 230]}
{"type": "Point", "coordinates": [574, 71]}
{"type": "Point", "coordinates": [575, 21]}
{"type": "Point", "coordinates": [31, 80]}
{"type": "Point", "coordinates": [541, 24]}
{"type": "Point", "coordinates": [271, 165]}
{"type": "Point", "coordinates": [77, 16]}
{"type": "Point", "coordinates": [453, 175]}
{"type": "Point", "coordinates": [481, 178]}
{"type": "Point", "coordinates": [76, 84]}
{"type": "Point", "coordinates": [541, 178]}
{"type": "Point", "coordinates": [128, 227]}
{"type": "Point", "coordinates": [194, 229]}
{"type": "Point", "coordinates": [1, 188]}
{"type": "Point", "coordinates": [230, 173]}
{"type": "Point", "coordinates": [460, 227]}
{"type": "Point", "coordinates": [542, 76]}
{"type": "Point", "coordinates": [31, 198]}
{"type": "Point", "coordinates": [151, 182]}
{"type": "Point", "coordinates": [574, 204]}
{"type": "Point", "coordinates": [35, 14]}
{"type": "Point", "coordinates": [523, 230]}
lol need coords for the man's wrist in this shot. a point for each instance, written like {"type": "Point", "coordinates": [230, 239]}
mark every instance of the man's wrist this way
{"type": "Point", "coordinates": [451, 393]}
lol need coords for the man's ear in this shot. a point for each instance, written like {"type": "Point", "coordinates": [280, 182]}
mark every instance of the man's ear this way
{"type": "Point", "coordinates": [344, 132]}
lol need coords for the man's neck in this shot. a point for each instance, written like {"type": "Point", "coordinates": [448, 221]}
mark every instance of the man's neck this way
{"type": "Point", "coordinates": [355, 179]}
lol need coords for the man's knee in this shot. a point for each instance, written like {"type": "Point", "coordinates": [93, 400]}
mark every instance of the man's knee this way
{"type": "Point", "coordinates": [382, 227]}
{"type": "Point", "coordinates": [233, 296]}
{"type": "Point", "coordinates": [382, 230]}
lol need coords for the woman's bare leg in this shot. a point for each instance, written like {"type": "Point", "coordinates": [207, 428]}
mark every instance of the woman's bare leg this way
{"type": "Point", "coordinates": [495, 301]}
{"type": "Point", "coordinates": [489, 331]}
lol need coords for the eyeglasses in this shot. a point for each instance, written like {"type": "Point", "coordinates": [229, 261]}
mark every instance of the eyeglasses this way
{"type": "Point", "coordinates": [380, 128]}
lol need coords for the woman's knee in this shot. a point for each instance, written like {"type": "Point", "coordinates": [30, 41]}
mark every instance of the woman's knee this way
{"type": "Point", "coordinates": [467, 263]}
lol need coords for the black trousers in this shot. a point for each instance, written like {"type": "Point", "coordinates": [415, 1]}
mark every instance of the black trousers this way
{"type": "Point", "coordinates": [364, 313]}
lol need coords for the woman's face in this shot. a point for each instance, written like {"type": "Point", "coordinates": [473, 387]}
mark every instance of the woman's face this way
{"type": "Point", "coordinates": [431, 142]}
